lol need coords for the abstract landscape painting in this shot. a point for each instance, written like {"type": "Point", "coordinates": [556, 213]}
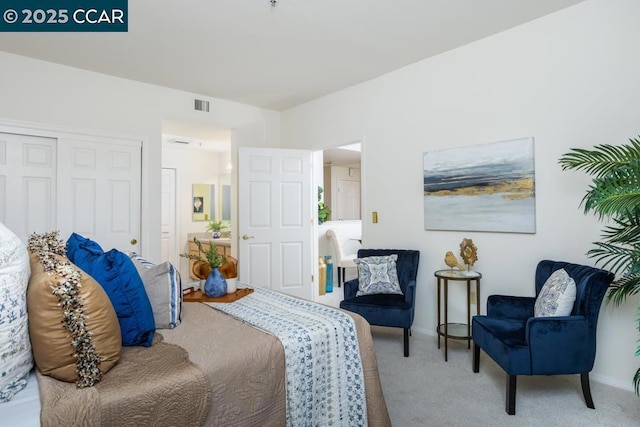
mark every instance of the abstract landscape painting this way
{"type": "Point", "coordinates": [489, 187]}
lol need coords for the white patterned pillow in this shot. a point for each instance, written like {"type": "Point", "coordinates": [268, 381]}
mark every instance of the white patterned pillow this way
{"type": "Point", "coordinates": [377, 275]}
{"type": "Point", "coordinates": [164, 288]}
{"type": "Point", "coordinates": [15, 348]}
{"type": "Point", "coordinates": [557, 295]}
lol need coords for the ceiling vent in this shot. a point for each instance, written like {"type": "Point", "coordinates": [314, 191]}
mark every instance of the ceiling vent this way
{"type": "Point", "coordinates": [201, 105]}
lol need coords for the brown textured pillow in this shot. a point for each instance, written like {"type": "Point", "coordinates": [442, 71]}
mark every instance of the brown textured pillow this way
{"type": "Point", "coordinates": [53, 350]}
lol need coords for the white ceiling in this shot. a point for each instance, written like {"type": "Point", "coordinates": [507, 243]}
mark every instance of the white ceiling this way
{"type": "Point", "coordinates": [276, 57]}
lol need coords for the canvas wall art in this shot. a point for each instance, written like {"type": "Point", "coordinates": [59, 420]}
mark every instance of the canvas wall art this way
{"type": "Point", "coordinates": [488, 187]}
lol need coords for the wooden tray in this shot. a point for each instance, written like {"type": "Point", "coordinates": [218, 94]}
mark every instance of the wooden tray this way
{"type": "Point", "coordinates": [189, 295]}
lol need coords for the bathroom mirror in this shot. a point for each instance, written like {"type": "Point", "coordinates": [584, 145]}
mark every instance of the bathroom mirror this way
{"type": "Point", "coordinates": [225, 199]}
{"type": "Point", "coordinates": [203, 202]}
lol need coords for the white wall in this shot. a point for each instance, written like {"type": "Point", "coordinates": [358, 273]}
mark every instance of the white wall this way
{"type": "Point", "coordinates": [568, 80]}
{"type": "Point", "coordinates": [47, 93]}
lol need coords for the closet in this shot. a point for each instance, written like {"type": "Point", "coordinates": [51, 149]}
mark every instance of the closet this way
{"type": "Point", "coordinates": [70, 181]}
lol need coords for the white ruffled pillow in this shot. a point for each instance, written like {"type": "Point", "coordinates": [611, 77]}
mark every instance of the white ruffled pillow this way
{"type": "Point", "coordinates": [557, 295]}
{"type": "Point", "coordinates": [15, 348]}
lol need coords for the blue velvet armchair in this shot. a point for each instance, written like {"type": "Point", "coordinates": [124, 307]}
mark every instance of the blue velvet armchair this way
{"type": "Point", "coordinates": [522, 344]}
{"type": "Point", "coordinates": [396, 311]}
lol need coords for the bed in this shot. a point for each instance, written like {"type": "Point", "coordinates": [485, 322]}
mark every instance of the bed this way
{"type": "Point", "coordinates": [243, 366]}
{"type": "Point", "coordinates": [116, 345]}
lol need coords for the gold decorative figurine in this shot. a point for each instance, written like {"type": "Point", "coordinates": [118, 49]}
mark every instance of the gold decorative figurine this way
{"type": "Point", "coordinates": [451, 260]}
{"type": "Point", "coordinates": [468, 252]}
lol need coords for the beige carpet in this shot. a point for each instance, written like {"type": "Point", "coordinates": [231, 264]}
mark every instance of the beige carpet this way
{"type": "Point", "coordinates": [424, 390]}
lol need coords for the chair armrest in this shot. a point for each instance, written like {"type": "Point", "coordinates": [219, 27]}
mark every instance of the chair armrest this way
{"type": "Point", "coordinates": [510, 306]}
{"type": "Point", "coordinates": [350, 288]}
{"type": "Point", "coordinates": [561, 345]}
{"type": "Point", "coordinates": [410, 293]}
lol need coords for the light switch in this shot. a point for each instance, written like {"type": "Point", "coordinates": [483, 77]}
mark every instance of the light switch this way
{"type": "Point", "coordinates": [374, 217]}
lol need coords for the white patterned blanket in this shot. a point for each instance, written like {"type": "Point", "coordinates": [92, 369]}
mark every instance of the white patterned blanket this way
{"type": "Point", "coordinates": [324, 377]}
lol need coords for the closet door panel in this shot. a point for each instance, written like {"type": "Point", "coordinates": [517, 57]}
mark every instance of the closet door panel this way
{"type": "Point", "coordinates": [83, 206]}
{"type": "Point", "coordinates": [27, 183]}
{"type": "Point", "coordinates": [104, 204]}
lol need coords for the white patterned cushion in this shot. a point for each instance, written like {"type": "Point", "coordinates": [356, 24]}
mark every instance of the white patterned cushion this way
{"type": "Point", "coordinates": [377, 275]}
{"type": "Point", "coordinates": [557, 295]}
{"type": "Point", "coordinates": [15, 348]}
{"type": "Point", "coordinates": [164, 288]}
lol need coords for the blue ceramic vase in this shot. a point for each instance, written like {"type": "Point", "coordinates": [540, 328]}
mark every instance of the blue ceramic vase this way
{"type": "Point", "coordinates": [215, 285]}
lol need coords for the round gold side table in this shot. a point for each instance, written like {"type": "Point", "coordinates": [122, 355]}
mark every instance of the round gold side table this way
{"type": "Point", "coordinates": [460, 331]}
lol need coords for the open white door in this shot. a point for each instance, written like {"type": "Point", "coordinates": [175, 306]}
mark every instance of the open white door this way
{"type": "Point", "coordinates": [275, 219]}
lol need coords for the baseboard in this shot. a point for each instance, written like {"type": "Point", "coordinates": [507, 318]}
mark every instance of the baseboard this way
{"type": "Point", "coordinates": [603, 379]}
{"type": "Point", "coordinates": [423, 331]}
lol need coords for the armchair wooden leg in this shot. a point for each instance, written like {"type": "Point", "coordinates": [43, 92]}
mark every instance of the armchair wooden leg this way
{"type": "Point", "coordinates": [586, 390]}
{"type": "Point", "coordinates": [406, 342]}
{"type": "Point", "coordinates": [476, 358]}
{"type": "Point", "coordinates": [511, 394]}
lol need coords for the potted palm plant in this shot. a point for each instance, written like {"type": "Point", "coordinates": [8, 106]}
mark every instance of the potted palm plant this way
{"type": "Point", "coordinates": [215, 284]}
{"type": "Point", "coordinates": [614, 195]}
{"type": "Point", "coordinates": [215, 227]}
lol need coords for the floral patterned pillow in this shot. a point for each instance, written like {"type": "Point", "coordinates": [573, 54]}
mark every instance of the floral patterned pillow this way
{"type": "Point", "coordinates": [557, 295]}
{"type": "Point", "coordinates": [15, 348]}
{"type": "Point", "coordinates": [377, 275]}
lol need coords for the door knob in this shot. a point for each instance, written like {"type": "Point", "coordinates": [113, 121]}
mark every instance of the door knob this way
{"type": "Point", "coordinates": [133, 241]}
{"type": "Point", "coordinates": [245, 237]}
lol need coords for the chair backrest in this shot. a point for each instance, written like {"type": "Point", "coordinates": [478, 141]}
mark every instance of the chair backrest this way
{"type": "Point", "coordinates": [344, 246]}
{"type": "Point", "coordinates": [406, 265]}
{"type": "Point", "coordinates": [591, 285]}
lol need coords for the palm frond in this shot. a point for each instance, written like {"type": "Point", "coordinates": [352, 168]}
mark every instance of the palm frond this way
{"type": "Point", "coordinates": [622, 288]}
{"type": "Point", "coordinates": [616, 193]}
{"type": "Point", "coordinates": [636, 381]}
{"type": "Point", "coordinates": [626, 229]}
{"type": "Point", "coordinates": [602, 159]}
{"type": "Point", "coordinates": [612, 257]}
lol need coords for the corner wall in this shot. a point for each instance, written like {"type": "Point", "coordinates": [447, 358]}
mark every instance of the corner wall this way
{"type": "Point", "coordinates": [569, 79]}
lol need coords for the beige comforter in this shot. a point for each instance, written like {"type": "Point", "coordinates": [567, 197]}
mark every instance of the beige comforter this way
{"type": "Point", "coordinates": [150, 386]}
{"type": "Point", "coordinates": [231, 374]}
{"type": "Point", "coordinates": [246, 368]}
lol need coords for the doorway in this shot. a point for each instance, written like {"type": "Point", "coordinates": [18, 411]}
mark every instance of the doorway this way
{"type": "Point", "coordinates": [200, 154]}
{"type": "Point", "coordinates": [342, 184]}
{"type": "Point", "coordinates": [342, 181]}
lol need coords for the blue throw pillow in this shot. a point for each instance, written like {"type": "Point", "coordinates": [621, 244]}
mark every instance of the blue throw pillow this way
{"type": "Point", "coordinates": [118, 276]}
{"type": "Point", "coordinates": [82, 250]}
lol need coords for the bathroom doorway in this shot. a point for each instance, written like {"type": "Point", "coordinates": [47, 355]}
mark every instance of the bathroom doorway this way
{"type": "Point", "coordinates": [200, 155]}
